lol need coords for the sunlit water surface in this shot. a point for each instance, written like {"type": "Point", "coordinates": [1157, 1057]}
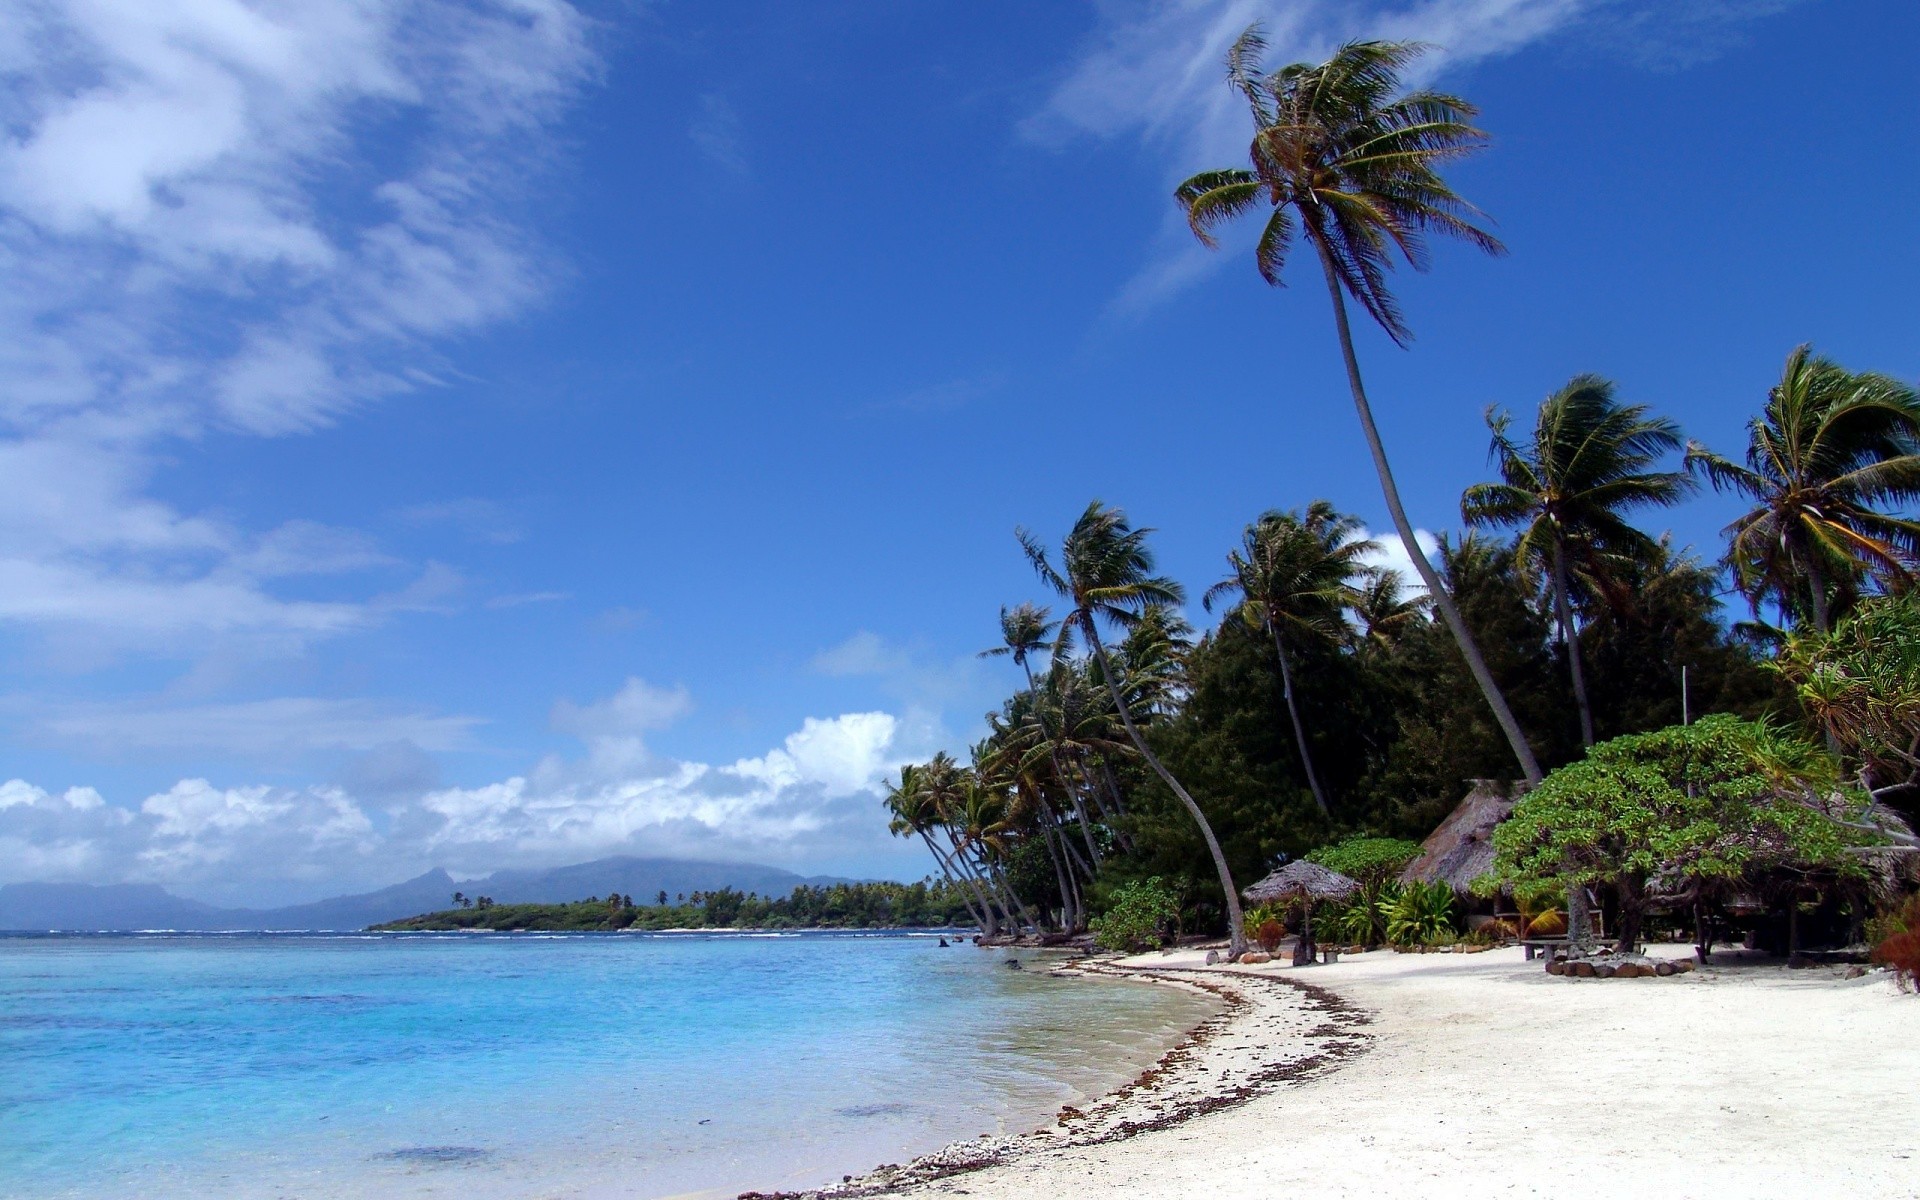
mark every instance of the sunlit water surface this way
{"type": "Point", "coordinates": [484, 1067]}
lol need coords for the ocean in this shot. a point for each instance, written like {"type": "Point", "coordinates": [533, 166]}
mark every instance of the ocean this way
{"type": "Point", "coordinates": [493, 1066]}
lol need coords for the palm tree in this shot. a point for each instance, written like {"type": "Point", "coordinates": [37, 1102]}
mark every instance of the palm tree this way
{"type": "Point", "coordinates": [1295, 573]}
{"type": "Point", "coordinates": [1106, 571]}
{"type": "Point", "coordinates": [913, 812]}
{"type": "Point", "coordinates": [1830, 454]}
{"type": "Point", "coordinates": [1024, 631]}
{"type": "Point", "coordinates": [1588, 462]}
{"type": "Point", "coordinates": [1383, 608]}
{"type": "Point", "coordinates": [1340, 147]}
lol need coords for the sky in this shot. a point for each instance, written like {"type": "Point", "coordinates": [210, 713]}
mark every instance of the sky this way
{"type": "Point", "coordinates": [511, 432]}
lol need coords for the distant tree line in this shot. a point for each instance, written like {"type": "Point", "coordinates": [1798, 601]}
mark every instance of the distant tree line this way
{"type": "Point", "coordinates": [881, 905]}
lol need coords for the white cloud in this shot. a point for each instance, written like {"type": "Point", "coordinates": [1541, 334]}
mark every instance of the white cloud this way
{"type": "Point", "coordinates": [1153, 70]}
{"type": "Point", "coordinates": [249, 215]}
{"type": "Point", "coordinates": [815, 796]}
{"type": "Point", "coordinates": [275, 728]}
{"type": "Point", "coordinates": [863, 653]}
{"type": "Point", "coordinates": [1392, 554]}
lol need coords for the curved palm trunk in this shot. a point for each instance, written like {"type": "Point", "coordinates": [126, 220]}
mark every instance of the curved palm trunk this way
{"type": "Point", "coordinates": [1236, 924]}
{"type": "Point", "coordinates": [1059, 876]}
{"type": "Point", "coordinates": [1570, 638]}
{"type": "Point", "coordinates": [1529, 765]}
{"type": "Point", "coordinates": [984, 881]}
{"type": "Point", "coordinates": [1299, 730]}
{"type": "Point", "coordinates": [946, 869]}
{"type": "Point", "coordinates": [1053, 753]}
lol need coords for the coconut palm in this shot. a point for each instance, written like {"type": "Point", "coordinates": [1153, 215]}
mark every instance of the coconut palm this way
{"type": "Point", "coordinates": [1832, 452]}
{"type": "Point", "coordinates": [1347, 160]}
{"type": "Point", "coordinates": [1566, 489]}
{"type": "Point", "coordinates": [1382, 607]}
{"type": "Point", "coordinates": [1106, 571]}
{"type": "Point", "coordinates": [1024, 631]}
{"type": "Point", "coordinates": [1294, 576]}
{"type": "Point", "coordinates": [913, 812]}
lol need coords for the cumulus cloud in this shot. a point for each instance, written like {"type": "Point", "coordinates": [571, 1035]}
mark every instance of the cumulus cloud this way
{"type": "Point", "coordinates": [1391, 553]}
{"type": "Point", "coordinates": [251, 216]}
{"type": "Point", "coordinates": [814, 796]}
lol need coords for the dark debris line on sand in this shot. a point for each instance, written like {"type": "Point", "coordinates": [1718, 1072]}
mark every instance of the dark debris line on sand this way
{"type": "Point", "coordinates": [1314, 1034]}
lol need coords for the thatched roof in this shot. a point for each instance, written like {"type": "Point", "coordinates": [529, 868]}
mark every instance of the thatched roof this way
{"type": "Point", "coordinates": [1302, 878]}
{"type": "Point", "coordinates": [1461, 850]}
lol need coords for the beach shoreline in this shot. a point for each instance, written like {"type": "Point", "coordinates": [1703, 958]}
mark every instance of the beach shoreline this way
{"type": "Point", "coordinates": [1477, 1075]}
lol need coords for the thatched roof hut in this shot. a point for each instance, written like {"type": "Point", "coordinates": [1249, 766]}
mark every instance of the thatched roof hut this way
{"type": "Point", "coordinates": [1301, 879]}
{"type": "Point", "coordinates": [1461, 850]}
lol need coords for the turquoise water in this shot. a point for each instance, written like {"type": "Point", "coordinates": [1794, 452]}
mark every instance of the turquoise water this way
{"type": "Point", "coordinates": [221, 1066]}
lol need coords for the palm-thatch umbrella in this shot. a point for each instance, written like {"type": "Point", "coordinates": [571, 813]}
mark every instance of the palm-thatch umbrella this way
{"type": "Point", "coordinates": [1308, 883]}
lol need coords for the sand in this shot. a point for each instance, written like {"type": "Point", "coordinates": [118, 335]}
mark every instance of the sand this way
{"type": "Point", "coordinates": [1478, 1075]}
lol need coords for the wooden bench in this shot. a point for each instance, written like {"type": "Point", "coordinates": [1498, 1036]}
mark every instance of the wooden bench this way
{"type": "Point", "coordinates": [1544, 945]}
{"type": "Point", "coordinates": [1329, 953]}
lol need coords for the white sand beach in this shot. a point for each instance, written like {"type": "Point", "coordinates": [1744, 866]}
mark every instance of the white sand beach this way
{"type": "Point", "coordinates": [1480, 1075]}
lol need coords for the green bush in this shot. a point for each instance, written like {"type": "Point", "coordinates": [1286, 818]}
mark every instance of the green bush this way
{"type": "Point", "coordinates": [1420, 914]}
{"type": "Point", "coordinates": [1141, 913]}
{"type": "Point", "coordinates": [1375, 864]}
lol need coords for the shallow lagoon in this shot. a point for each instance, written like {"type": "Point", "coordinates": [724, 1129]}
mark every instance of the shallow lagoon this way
{"type": "Point", "coordinates": [531, 1065]}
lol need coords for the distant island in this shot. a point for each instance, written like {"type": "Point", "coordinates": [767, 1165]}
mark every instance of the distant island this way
{"type": "Point", "coordinates": [882, 905]}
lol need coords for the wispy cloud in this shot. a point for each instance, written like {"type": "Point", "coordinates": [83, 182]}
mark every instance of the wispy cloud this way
{"type": "Point", "coordinates": [268, 729]}
{"type": "Point", "coordinates": [718, 134]}
{"type": "Point", "coordinates": [1153, 71]}
{"type": "Point", "coordinates": [247, 218]}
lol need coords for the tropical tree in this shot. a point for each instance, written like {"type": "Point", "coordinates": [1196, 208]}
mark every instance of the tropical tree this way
{"type": "Point", "coordinates": [1566, 489]}
{"type": "Point", "coordinates": [1382, 607]}
{"type": "Point", "coordinates": [1106, 572]}
{"type": "Point", "coordinates": [1342, 149]}
{"type": "Point", "coordinates": [1025, 630]}
{"type": "Point", "coordinates": [1826, 460]}
{"type": "Point", "coordinates": [1294, 576]}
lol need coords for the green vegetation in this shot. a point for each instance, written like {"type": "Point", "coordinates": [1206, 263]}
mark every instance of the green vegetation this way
{"type": "Point", "coordinates": [1141, 916]}
{"type": "Point", "coordinates": [1339, 713]}
{"type": "Point", "coordinates": [1722, 803]}
{"type": "Point", "coordinates": [935, 904]}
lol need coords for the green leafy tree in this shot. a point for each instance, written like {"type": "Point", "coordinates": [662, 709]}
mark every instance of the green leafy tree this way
{"type": "Point", "coordinates": [1349, 161]}
{"type": "Point", "coordinates": [1829, 464]}
{"type": "Point", "coordinates": [1375, 864]}
{"type": "Point", "coordinates": [1294, 575]}
{"type": "Point", "coordinates": [1722, 800]}
{"type": "Point", "coordinates": [1140, 917]}
{"type": "Point", "coordinates": [1567, 488]}
{"type": "Point", "coordinates": [1106, 572]}
{"type": "Point", "coordinates": [1860, 686]}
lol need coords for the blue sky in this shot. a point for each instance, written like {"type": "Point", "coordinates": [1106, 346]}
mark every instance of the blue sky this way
{"type": "Point", "coordinates": [511, 432]}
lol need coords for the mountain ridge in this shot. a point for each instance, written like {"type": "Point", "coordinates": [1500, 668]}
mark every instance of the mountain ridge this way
{"type": "Point", "coordinates": [125, 907]}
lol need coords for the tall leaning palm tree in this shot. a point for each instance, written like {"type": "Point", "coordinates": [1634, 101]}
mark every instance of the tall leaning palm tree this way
{"type": "Point", "coordinates": [1830, 455]}
{"type": "Point", "coordinates": [1566, 489]}
{"type": "Point", "coordinates": [1106, 572]}
{"type": "Point", "coordinates": [1294, 574]}
{"type": "Point", "coordinates": [1347, 160]}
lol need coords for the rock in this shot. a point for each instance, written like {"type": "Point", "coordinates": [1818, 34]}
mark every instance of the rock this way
{"type": "Point", "coordinates": [1557, 966]}
{"type": "Point", "coordinates": [1213, 956]}
{"type": "Point", "coordinates": [1580, 967]}
{"type": "Point", "coordinates": [1254, 958]}
{"type": "Point", "coordinates": [1684, 965]}
{"type": "Point", "coordinates": [1664, 969]}
{"type": "Point", "coordinates": [1605, 970]}
{"type": "Point", "coordinates": [1854, 972]}
{"type": "Point", "coordinates": [1631, 971]}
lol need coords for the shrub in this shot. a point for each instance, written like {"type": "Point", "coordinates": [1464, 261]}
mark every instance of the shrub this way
{"type": "Point", "coordinates": [1352, 922]}
{"type": "Point", "coordinates": [1141, 912]}
{"type": "Point", "coordinates": [1899, 946]}
{"type": "Point", "coordinates": [1375, 864]}
{"type": "Point", "coordinates": [1421, 914]}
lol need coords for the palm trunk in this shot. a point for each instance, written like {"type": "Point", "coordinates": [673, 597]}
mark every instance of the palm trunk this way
{"type": "Point", "coordinates": [1236, 932]}
{"type": "Point", "coordinates": [947, 870]}
{"type": "Point", "coordinates": [1053, 753]}
{"type": "Point", "coordinates": [1529, 765]}
{"type": "Point", "coordinates": [985, 883]}
{"type": "Point", "coordinates": [1299, 730]}
{"type": "Point", "coordinates": [1570, 638]}
{"type": "Point", "coordinates": [1059, 878]}
{"type": "Point", "coordinates": [1817, 585]}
